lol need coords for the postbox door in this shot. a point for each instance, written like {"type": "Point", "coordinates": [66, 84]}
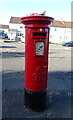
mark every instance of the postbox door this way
{"type": "Point", "coordinates": [37, 60]}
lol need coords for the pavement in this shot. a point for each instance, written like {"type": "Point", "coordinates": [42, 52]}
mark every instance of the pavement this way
{"type": "Point", "coordinates": [59, 90]}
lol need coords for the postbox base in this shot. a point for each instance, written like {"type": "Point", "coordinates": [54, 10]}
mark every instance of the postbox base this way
{"type": "Point", "coordinates": [35, 100]}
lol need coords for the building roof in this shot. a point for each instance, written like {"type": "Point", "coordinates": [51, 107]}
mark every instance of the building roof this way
{"type": "Point", "coordinates": [64, 24]}
{"type": "Point", "coordinates": [4, 26]}
{"type": "Point", "coordinates": [15, 20]}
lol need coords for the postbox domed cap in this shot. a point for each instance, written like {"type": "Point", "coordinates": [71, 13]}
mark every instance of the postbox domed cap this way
{"type": "Point", "coordinates": [37, 19]}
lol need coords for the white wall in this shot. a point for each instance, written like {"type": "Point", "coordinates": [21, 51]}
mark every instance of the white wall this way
{"type": "Point", "coordinates": [57, 34]}
{"type": "Point", "coordinates": [19, 27]}
{"type": "Point", "coordinates": [60, 35]}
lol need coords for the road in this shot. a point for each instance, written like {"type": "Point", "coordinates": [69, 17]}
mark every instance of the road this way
{"type": "Point", "coordinates": [59, 82]}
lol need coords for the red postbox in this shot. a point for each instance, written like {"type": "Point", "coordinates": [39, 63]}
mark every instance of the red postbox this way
{"type": "Point", "coordinates": [36, 59]}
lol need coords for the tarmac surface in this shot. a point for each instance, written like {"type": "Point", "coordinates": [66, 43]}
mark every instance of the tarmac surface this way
{"type": "Point", "coordinates": [59, 96]}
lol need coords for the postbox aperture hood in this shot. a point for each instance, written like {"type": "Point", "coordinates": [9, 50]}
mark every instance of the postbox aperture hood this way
{"type": "Point", "coordinates": [37, 19]}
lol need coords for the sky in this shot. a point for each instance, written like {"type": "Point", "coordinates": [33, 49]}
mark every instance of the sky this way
{"type": "Point", "coordinates": [59, 9]}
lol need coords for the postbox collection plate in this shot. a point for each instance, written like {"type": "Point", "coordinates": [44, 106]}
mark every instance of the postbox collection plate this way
{"type": "Point", "coordinates": [39, 48]}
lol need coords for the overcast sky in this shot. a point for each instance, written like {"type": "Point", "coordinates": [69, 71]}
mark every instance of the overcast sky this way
{"type": "Point", "coordinates": [60, 10]}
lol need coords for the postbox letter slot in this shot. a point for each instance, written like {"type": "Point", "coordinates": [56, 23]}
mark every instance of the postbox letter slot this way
{"type": "Point", "coordinates": [35, 34]}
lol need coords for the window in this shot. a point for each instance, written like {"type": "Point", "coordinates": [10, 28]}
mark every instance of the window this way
{"type": "Point", "coordinates": [21, 27]}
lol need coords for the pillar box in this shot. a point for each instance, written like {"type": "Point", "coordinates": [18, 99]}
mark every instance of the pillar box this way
{"type": "Point", "coordinates": [36, 59]}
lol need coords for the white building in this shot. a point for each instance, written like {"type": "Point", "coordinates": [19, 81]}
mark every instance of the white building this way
{"type": "Point", "coordinates": [4, 28]}
{"type": "Point", "coordinates": [12, 34]}
{"type": "Point", "coordinates": [60, 31]}
{"type": "Point", "coordinates": [16, 24]}
{"type": "Point", "coordinates": [3, 32]}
